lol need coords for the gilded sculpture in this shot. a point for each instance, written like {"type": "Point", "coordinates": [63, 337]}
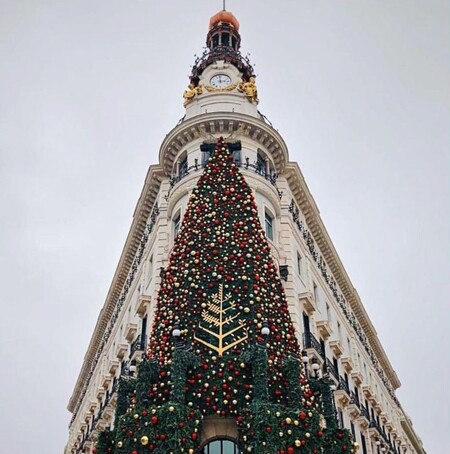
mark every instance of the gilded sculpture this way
{"type": "Point", "coordinates": [191, 92]}
{"type": "Point", "coordinates": [249, 89]}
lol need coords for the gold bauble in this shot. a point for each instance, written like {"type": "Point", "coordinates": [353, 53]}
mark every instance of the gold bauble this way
{"type": "Point", "coordinates": [298, 443]}
{"type": "Point", "coordinates": [119, 444]}
{"type": "Point", "coordinates": [144, 440]}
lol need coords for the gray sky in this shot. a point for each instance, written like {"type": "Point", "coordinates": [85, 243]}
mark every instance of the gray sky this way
{"type": "Point", "coordinates": [88, 89]}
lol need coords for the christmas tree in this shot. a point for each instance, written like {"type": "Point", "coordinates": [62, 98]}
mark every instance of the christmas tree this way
{"type": "Point", "coordinates": [222, 341]}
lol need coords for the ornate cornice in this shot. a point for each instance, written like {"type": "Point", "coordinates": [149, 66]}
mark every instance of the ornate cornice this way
{"type": "Point", "coordinates": [140, 216]}
{"type": "Point", "coordinates": [205, 126]}
{"type": "Point", "coordinates": [315, 225]}
{"type": "Point", "coordinates": [411, 434]}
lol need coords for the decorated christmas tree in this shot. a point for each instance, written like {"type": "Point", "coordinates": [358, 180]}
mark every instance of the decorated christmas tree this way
{"type": "Point", "coordinates": [222, 341]}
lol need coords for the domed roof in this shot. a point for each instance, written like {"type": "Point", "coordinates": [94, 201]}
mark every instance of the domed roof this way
{"type": "Point", "coordinates": [224, 16]}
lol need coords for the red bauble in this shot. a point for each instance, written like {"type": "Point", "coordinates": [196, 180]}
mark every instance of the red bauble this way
{"type": "Point", "coordinates": [154, 420]}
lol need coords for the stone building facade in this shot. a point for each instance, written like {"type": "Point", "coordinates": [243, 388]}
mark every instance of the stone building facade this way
{"type": "Point", "coordinates": [332, 324]}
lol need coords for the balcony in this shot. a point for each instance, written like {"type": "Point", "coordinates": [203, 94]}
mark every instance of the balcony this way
{"type": "Point", "coordinates": [357, 377]}
{"type": "Point", "coordinates": [142, 303]}
{"type": "Point", "coordinates": [121, 350]}
{"type": "Point", "coordinates": [342, 394]}
{"type": "Point", "coordinates": [377, 405]}
{"type": "Point", "coordinates": [324, 328]}
{"type": "Point", "coordinates": [347, 363]}
{"type": "Point", "coordinates": [364, 419]}
{"type": "Point", "coordinates": [336, 347]}
{"type": "Point", "coordinates": [130, 331]}
{"type": "Point", "coordinates": [137, 348]}
{"type": "Point", "coordinates": [389, 425]}
{"type": "Point", "coordinates": [383, 417]}
{"type": "Point", "coordinates": [92, 406]}
{"type": "Point", "coordinates": [312, 346]}
{"type": "Point", "coordinates": [367, 390]}
{"type": "Point", "coordinates": [354, 406]}
{"type": "Point", "coordinates": [307, 301]}
{"type": "Point", "coordinates": [331, 370]}
{"type": "Point", "coordinates": [106, 381]}
{"type": "Point", "coordinates": [100, 394]}
{"type": "Point", "coordinates": [113, 366]}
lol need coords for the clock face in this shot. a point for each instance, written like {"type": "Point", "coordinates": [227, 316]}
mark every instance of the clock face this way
{"type": "Point", "coordinates": [220, 81]}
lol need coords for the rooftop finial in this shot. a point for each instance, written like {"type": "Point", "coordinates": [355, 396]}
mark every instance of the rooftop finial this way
{"type": "Point", "coordinates": [224, 5]}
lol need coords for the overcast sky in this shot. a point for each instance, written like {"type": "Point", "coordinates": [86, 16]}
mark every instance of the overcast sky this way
{"type": "Point", "coordinates": [88, 89]}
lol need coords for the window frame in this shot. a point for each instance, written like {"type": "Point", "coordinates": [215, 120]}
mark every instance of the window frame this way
{"type": "Point", "coordinates": [269, 226]}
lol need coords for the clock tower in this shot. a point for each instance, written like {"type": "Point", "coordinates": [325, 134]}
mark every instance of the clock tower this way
{"type": "Point", "coordinates": [222, 70]}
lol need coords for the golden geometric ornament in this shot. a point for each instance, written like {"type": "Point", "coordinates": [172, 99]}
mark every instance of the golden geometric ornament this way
{"type": "Point", "coordinates": [220, 320]}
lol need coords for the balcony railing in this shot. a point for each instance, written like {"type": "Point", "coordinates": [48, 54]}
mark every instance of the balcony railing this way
{"type": "Point", "coordinates": [365, 412]}
{"type": "Point", "coordinates": [138, 345]}
{"type": "Point", "coordinates": [343, 385]}
{"type": "Point", "coordinates": [309, 341]}
{"type": "Point", "coordinates": [331, 369]}
{"type": "Point", "coordinates": [354, 399]}
{"type": "Point", "coordinates": [256, 166]}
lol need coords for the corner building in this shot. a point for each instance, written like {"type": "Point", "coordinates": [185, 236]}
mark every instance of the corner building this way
{"type": "Point", "coordinates": [332, 327]}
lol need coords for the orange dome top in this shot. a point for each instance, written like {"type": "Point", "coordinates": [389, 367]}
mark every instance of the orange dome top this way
{"type": "Point", "coordinates": [224, 16]}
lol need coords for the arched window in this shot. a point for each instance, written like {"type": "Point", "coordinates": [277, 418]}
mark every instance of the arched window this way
{"type": "Point", "coordinates": [221, 446]}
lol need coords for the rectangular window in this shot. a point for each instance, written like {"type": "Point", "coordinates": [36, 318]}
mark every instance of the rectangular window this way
{"type": "Point", "coordinates": [237, 157]}
{"type": "Point", "coordinates": [341, 417]}
{"type": "Point", "coordinates": [268, 221]}
{"type": "Point", "coordinates": [299, 264]}
{"type": "Point", "coordinates": [205, 157]}
{"type": "Point", "coordinates": [316, 292]}
{"type": "Point", "coordinates": [150, 268]}
{"type": "Point", "coordinates": [363, 444]}
{"type": "Point", "coordinates": [176, 225]}
{"type": "Point", "coordinates": [183, 167]}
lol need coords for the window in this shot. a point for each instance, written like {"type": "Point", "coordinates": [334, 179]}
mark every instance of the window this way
{"type": "Point", "coordinates": [299, 263]}
{"type": "Point", "coordinates": [176, 224]}
{"type": "Point", "coordinates": [336, 365]}
{"type": "Point", "coordinates": [183, 167]}
{"type": "Point", "coordinates": [260, 163]}
{"type": "Point", "coordinates": [316, 292]}
{"type": "Point", "coordinates": [225, 39]}
{"type": "Point", "coordinates": [150, 268]}
{"type": "Point", "coordinates": [268, 222]}
{"type": "Point", "coordinates": [341, 417]}
{"type": "Point", "coordinates": [363, 444]}
{"type": "Point", "coordinates": [221, 447]}
{"type": "Point", "coordinates": [205, 157]}
{"type": "Point", "coordinates": [237, 157]}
